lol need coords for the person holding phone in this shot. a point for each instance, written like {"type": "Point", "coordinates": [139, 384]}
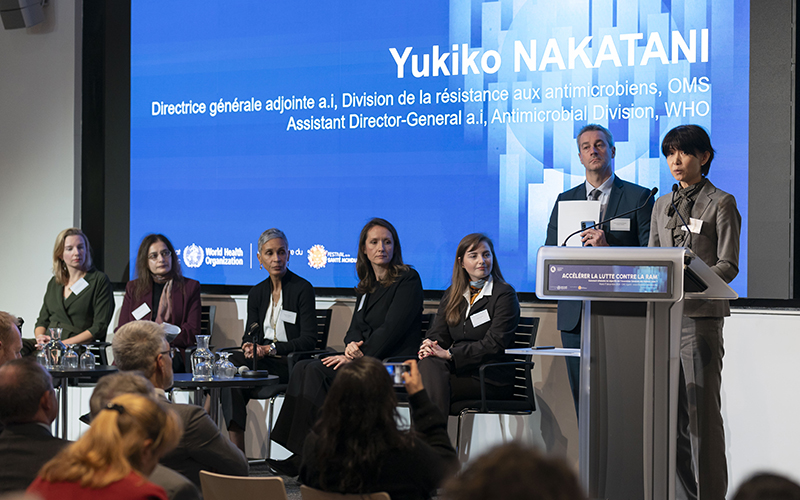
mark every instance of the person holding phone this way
{"type": "Point", "coordinates": [78, 298]}
{"type": "Point", "coordinates": [476, 322]}
{"type": "Point", "coordinates": [355, 446]}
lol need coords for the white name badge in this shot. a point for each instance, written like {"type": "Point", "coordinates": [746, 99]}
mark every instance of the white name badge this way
{"type": "Point", "coordinates": [694, 225]}
{"type": "Point", "coordinates": [621, 225]}
{"type": "Point", "coordinates": [480, 318]}
{"type": "Point", "coordinates": [79, 286]}
{"type": "Point", "coordinates": [361, 304]}
{"type": "Point", "coordinates": [141, 311]}
{"type": "Point", "coordinates": [288, 316]}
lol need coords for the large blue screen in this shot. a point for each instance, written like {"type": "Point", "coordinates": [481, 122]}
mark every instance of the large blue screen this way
{"type": "Point", "coordinates": [445, 118]}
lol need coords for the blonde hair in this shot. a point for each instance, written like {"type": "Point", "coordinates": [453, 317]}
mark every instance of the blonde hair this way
{"type": "Point", "coordinates": [113, 445]}
{"type": "Point", "coordinates": [60, 270]}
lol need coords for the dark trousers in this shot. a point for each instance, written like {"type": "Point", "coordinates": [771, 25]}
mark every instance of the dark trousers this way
{"type": "Point", "coordinates": [572, 339]}
{"type": "Point", "coordinates": [308, 387]}
{"type": "Point", "coordinates": [700, 426]}
{"type": "Point", "coordinates": [444, 387]}
{"type": "Point", "coordinates": [234, 401]}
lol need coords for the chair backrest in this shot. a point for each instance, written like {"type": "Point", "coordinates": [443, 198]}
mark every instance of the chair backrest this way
{"type": "Point", "coordinates": [314, 494]}
{"type": "Point", "coordinates": [323, 327]}
{"type": "Point", "coordinates": [525, 336]}
{"type": "Point", "coordinates": [207, 314]}
{"type": "Point", "coordinates": [427, 322]}
{"type": "Point", "coordinates": [222, 487]}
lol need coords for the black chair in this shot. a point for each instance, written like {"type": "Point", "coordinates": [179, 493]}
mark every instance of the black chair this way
{"type": "Point", "coordinates": [522, 402]}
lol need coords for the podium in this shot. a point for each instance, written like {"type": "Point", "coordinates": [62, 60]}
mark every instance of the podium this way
{"type": "Point", "coordinates": [629, 358]}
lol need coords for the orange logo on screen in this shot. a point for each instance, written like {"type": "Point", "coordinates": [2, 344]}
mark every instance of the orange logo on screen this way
{"type": "Point", "coordinates": [317, 257]}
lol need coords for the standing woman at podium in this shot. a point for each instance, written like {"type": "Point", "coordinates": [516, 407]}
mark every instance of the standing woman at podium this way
{"type": "Point", "coordinates": [162, 294]}
{"type": "Point", "coordinates": [703, 218]}
{"type": "Point", "coordinates": [476, 322]}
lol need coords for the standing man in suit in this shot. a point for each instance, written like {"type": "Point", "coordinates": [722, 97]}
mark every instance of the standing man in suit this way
{"type": "Point", "coordinates": [142, 346]}
{"type": "Point", "coordinates": [714, 231]}
{"type": "Point", "coordinates": [596, 152]}
{"type": "Point", "coordinates": [28, 406]}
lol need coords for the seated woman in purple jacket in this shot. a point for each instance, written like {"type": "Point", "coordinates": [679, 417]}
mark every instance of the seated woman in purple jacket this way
{"type": "Point", "coordinates": [160, 293]}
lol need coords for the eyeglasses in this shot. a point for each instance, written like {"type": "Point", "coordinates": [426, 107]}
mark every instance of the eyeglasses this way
{"type": "Point", "coordinates": [170, 351]}
{"type": "Point", "coordinates": [163, 253]}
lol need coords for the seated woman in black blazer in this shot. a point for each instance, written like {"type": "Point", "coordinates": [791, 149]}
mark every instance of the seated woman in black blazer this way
{"type": "Point", "coordinates": [280, 320]}
{"type": "Point", "coordinates": [476, 322]}
{"type": "Point", "coordinates": [386, 322]}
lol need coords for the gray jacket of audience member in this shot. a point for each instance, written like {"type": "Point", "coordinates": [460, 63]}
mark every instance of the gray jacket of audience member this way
{"type": "Point", "coordinates": [177, 486]}
{"type": "Point", "coordinates": [202, 446]}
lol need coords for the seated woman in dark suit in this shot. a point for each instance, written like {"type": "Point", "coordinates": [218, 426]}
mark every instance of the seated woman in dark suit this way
{"type": "Point", "coordinates": [356, 447]}
{"type": "Point", "coordinates": [476, 322]}
{"type": "Point", "coordinates": [386, 322]}
{"type": "Point", "coordinates": [114, 457]}
{"type": "Point", "coordinates": [714, 227]}
{"type": "Point", "coordinates": [78, 299]}
{"type": "Point", "coordinates": [280, 320]}
{"type": "Point", "coordinates": [160, 293]}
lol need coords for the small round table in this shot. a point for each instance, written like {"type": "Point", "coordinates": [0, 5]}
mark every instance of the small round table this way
{"type": "Point", "coordinates": [184, 381]}
{"type": "Point", "coordinates": [64, 375]}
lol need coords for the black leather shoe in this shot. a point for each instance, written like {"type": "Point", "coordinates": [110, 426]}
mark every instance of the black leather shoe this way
{"type": "Point", "coordinates": [289, 467]}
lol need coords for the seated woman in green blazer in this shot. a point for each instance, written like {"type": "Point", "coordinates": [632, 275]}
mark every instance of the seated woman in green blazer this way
{"type": "Point", "coordinates": [78, 297]}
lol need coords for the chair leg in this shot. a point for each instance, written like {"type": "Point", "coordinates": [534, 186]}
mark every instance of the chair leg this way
{"type": "Point", "coordinates": [269, 425]}
{"type": "Point", "coordinates": [458, 435]}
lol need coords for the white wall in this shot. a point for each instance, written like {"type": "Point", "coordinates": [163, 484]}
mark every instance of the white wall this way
{"type": "Point", "coordinates": [39, 144]}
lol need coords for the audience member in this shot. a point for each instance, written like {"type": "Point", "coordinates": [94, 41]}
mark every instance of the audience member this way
{"type": "Point", "coordinates": [10, 338]}
{"type": "Point", "coordinates": [114, 457]}
{"type": "Point", "coordinates": [766, 486]}
{"type": "Point", "coordinates": [142, 346]}
{"type": "Point", "coordinates": [176, 485]}
{"type": "Point", "coordinates": [28, 406]}
{"type": "Point", "coordinates": [515, 472]}
{"type": "Point", "coordinates": [356, 447]}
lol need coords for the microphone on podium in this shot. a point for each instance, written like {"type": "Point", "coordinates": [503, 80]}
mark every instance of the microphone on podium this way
{"type": "Point", "coordinates": [652, 193]}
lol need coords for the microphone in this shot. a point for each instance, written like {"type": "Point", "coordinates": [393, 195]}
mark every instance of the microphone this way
{"type": "Point", "coordinates": [243, 369]}
{"type": "Point", "coordinates": [672, 202]}
{"type": "Point", "coordinates": [251, 335]}
{"type": "Point", "coordinates": [652, 193]}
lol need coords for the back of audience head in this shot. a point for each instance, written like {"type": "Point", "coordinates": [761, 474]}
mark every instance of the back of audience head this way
{"type": "Point", "coordinates": [766, 486]}
{"type": "Point", "coordinates": [357, 424]}
{"type": "Point", "coordinates": [142, 346]}
{"type": "Point", "coordinates": [116, 384]}
{"type": "Point", "coordinates": [515, 472]}
{"type": "Point", "coordinates": [10, 339]}
{"type": "Point", "coordinates": [26, 393]}
{"type": "Point", "coordinates": [130, 433]}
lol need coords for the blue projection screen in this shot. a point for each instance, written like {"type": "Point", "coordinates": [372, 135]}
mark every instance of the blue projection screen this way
{"type": "Point", "coordinates": [445, 118]}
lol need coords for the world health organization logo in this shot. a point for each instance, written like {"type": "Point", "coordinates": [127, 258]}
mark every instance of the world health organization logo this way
{"type": "Point", "coordinates": [193, 255]}
{"type": "Point", "coordinates": [317, 257]}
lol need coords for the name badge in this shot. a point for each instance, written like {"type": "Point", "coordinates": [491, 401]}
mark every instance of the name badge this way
{"type": "Point", "coordinates": [361, 304]}
{"type": "Point", "coordinates": [480, 318]}
{"type": "Point", "coordinates": [141, 311]}
{"type": "Point", "coordinates": [79, 286]}
{"type": "Point", "coordinates": [694, 225]}
{"type": "Point", "coordinates": [621, 225]}
{"type": "Point", "coordinates": [288, 316]}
